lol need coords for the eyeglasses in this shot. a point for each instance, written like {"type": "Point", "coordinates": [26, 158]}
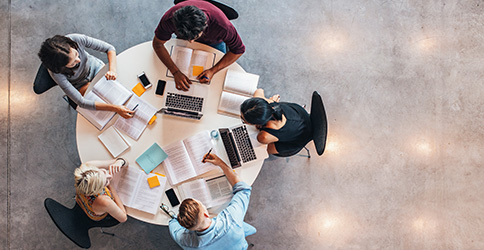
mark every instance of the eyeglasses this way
{"type": "Point", "coordinates": [167, 210]}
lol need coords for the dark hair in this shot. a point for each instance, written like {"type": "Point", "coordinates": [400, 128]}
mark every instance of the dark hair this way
{"type": "Point", "coordinates": [54, 54]}
{"type": "Point", "coordinates": [258, 111]}
{"type": "Point", "coordinates": [188, 213]}
{"type": "Point", "coordinates": [189, 22]}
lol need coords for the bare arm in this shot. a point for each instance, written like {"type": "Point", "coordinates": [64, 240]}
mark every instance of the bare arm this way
{"type": "Point", "coordinates": [115, 207]}
{"type": "Point", "coordinates": [226, 61]}
{"type": "Point", "coordinates": [111, 74]}
{"type": "Point", "coordinates": [181, 80]}
{"type": "Point", "coordinates": [232, 176]}
{"type": "Point", "coordinates": [114, 165]}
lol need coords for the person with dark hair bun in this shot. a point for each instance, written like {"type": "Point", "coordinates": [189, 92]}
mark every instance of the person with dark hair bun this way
{"type": "Point", "coordinates": [200, 21]}
{"type": "Point", "coordinates": [73, 69]}
{"type": "Point", "coordinates": [285, 127]}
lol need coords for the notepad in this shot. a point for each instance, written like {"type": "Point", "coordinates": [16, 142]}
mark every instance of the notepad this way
{"type": "Point", "coordinates": [151, 158]}
{"type": "Point", "coordinates": [238, 87]}
{"type": "Point", "coordinates": [139, 89]}
{"type": "Point", "coordinates": [114, 141]}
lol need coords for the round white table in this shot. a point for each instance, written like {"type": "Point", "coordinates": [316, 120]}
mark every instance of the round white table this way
{"type": "Point", "coordinates": [166, 129]}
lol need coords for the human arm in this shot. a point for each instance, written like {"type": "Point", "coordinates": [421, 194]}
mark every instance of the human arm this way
{"type": "Point", "coordinates": [113, 165]}
{"type": "Point", "coordinates": [231, 175]}
{"type": "Point", "coordinates": [111, 74]}
{"type": "Point", "coordinates": [226, 61]}
{"type": "Point", "coordinates": [114, 207]}
{"type": "Point", "coordinates": [122, 110]}
{"type": "Point", "coordinates": [181, 80]}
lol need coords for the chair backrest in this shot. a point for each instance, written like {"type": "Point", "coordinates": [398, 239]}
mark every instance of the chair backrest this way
{"type": "Point", "coordinates": [74, 223]}
{"type": "Point", "coordinates": [319, 122]}
{"type": "Point", "coordinates": [43, 81]}
{"type": "Point", "coordinates": [229, 12]}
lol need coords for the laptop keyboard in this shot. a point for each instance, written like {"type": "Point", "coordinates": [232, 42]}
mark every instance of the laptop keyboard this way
{"type": "Point", "coordinates": [229, 145]}
{"type": "Point", "coordinates": [186, 102]}
{"type": "Point", "coordinates": [241, 136]}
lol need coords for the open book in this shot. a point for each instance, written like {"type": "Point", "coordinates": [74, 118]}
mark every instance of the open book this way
{"type": "Point", "coordinates": [213, 192]}
{"type": "Point", "coordinates": [135, 125]}
{"type": "Point", "coordinates": [185, 158]}
{"type": "Point", "coordinates": [133, 189]}
{"type": "Point", "coordinates": [238, 87]}
{"type": "Point", "coordinates": [105, 91]}
{"type": "Point", "coordinates": [191, 62]}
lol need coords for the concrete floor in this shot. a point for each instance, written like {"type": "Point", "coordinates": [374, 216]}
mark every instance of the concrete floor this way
{"type": "Point", "coordinates": [403, 90]}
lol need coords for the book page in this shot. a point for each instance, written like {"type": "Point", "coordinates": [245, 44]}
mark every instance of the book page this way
{"type": "Point", "coordinates": [113, 141]}
{"type": "Point", "coordinates": [230, 103]}
{"type": "Point", "coordinates": [135, 126]}
{"type": "Point", "coordinates": [178, 166]}
{"type": "Point", "coordinates": [220, 190]}
{"type": "Point", "coordinates": [197, 146]}
{"type": "Point", "coordinates": [196, 189]}
{"type": "Point", "coordinates": [125, 183]}
{"type": "Point", "coordinates": [148, 199]}
{"type": "Point", "coordinates": [202, 59]}
{"type": "Point", "coordinates": [241, 82]}
{"type": "Point", "coordinates": [111, 91]}
{"type": "Point", "coordinates": [98, 118]}
{"type": "Point", "coordinates": [181, 56]}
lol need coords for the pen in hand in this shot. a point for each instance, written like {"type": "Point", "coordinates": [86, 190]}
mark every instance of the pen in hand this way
{"type": "Point", "coordinates": [205, 157]}
{"type": "Point", "coordinates": [135, 107]}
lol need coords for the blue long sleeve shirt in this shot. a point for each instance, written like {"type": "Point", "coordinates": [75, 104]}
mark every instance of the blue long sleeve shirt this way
{"type": "Point", "coordinates": [226, 230]}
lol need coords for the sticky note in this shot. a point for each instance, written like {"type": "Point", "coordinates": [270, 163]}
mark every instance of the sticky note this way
{"type": "Point", "coordinates": [197, 70]}
{"type": "Point", "coordinates": [152, 120]}
{"type": "Point", "coordinates": [160, 174]}
{"type": "Point", "coordinates": [153, 181]}
{"type": "Point", "coordinates": [139, 89]}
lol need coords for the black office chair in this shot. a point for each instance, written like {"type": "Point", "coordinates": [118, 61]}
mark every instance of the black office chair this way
{"type": "Point", "coordinates": [319, 124]}
{"type": "Point", "coordinates": [44, 82]}
{"type": "Point", "coordinates": [229, 12]}
{"type": "Point", "coordinates": [74, 223]}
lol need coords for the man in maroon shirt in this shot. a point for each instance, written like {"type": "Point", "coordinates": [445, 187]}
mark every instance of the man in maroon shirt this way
{"type": "Point", "coordinates": [201, 21]}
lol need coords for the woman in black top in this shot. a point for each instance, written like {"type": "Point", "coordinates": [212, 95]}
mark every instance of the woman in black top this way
{"type": "Point", "coordinates": [285, 127]}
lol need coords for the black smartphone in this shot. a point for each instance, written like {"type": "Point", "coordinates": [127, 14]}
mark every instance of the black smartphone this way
{"type": "Point", "coordinates": [160, 88]}
{"type": "Point", "coordinates": [144, 80]}
{"type": "Point", "coordinates": [170, 193]}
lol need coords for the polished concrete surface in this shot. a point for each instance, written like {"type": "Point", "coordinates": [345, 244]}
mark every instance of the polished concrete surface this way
{"type": "Point", "coordinates": [403, 90]}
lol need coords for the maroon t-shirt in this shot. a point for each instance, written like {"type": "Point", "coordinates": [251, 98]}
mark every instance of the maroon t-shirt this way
{"type": "Point", "coordinates": [219, 28]}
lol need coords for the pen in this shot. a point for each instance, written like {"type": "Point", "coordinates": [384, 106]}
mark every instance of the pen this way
{"type": "Point", "coordinates": [205, 157]}
{"type": "Point", "coordinates": [204, 77]}
{"type": "Point", "coordinates": [135, 107]}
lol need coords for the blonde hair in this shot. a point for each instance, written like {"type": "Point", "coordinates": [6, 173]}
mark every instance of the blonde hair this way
{"type": "Point", "coordinates": [188, 213]}
{"type": "Point", "coordinates": [89, 181]}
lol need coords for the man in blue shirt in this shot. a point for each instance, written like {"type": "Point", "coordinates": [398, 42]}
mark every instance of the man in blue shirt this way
{"type": "Point", "coordinates": [193, 229]}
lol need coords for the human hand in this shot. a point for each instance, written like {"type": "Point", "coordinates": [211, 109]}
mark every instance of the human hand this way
{"type": "Point", "coordinates": [181, 80]}
{"type": "Point", "coordinates": [125, 112]}
{"type": "Point", "coordinates": [214, 159]}
{"type": "Point", "coordinates": [110, 75]}
{"type": "Point", "coordinates": [116, 166]}
{"type": "Point", "coordinates": [205, 76]}
{"type": "Point", "coordinates": [275, 98]}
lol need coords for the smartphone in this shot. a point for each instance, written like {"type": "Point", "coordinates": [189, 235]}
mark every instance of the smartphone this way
{"type": "Point", "coordinates": [160, 88]}
{"type": "Point", "coordinates": [144, 80]}
{"type": "Point", "coordinates": [170, 193]}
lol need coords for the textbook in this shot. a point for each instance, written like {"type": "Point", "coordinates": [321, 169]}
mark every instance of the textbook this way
{"type": "Point", "coordinates": [191, 62]}
{"type": "Point", "coordinates": [212, 192]}
{"type": "Point", "coordinates": [135, 125]}
{"type": "Point", "coordinates": [151, 158]}
{"type": "Point", "coordinates": [135, 192]}
{"type": "Point", "coordinates": [238, 87]}
{"type": "Point", "coordinates": [185, 158]}
{"type": "Point", "coordinates": [105, 91]}
{"type": "Point", "coordinates": [114, 141]}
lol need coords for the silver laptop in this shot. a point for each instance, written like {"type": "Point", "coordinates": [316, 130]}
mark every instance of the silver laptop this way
{"type": "Point", "coordinates": [181, 103]}
{"type": "Point", "coordinates": [241, 145]}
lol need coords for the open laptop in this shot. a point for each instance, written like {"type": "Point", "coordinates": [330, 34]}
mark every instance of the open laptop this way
{"type": "Point", "coordinates": [241, 145]}
{"type": "Point", "coordinates": [181, 103]}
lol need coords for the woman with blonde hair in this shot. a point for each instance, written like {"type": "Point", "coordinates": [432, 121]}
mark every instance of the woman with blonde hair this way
{"type": "Point", "coordinates": [94, 192]}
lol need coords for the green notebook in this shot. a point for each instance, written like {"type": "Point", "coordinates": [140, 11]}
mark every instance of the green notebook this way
{"type": "Point", "coordinates": [151, 158]}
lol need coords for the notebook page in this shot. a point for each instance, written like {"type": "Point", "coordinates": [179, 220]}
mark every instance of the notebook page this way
{"type": "Point", "coordinates": [148, 199]}
{"type": "Point", "coordinates": [111, 91]}
{"type": "Point", "coordinates": [98, 118]}
{"type": "Point", "coordinates": [135, 126]}
{"type": "Point", "coordinates": [200, 58]}
{"type": "Point", "coordinates": [241, 82]}
{"type": "Point", "coordinates": [230, 103]}
{"type": "Point", "coordinates": [196, 189]}
{"type": "Point", "coordinates": [125, 183]}
{"type": "Point", "coordinates": [220, 190]}
{"type": "Point", "coordinates": [178, 166]}
{"type": "Point", "coordinates": [197, 146]}
{"type": "Point", "coordinates": [182, 56]}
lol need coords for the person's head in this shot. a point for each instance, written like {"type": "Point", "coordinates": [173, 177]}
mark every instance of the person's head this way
{"type": "Point", "coordinates": [192, 214]}
{"type": "Point", "coordinates": [91, 180]}
{"type": "Point", "coordinates": [59, 54]}
{"type": "Point", "coordinates": [189, 22]}
{"type": "Point", "coordinates": [258, 111]}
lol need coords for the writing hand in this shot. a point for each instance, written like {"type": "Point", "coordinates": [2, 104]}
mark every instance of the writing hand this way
{"type": "Point", "coordinates": [125, 112]}
{"type": "Point", "coordinates": [205, 76]}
